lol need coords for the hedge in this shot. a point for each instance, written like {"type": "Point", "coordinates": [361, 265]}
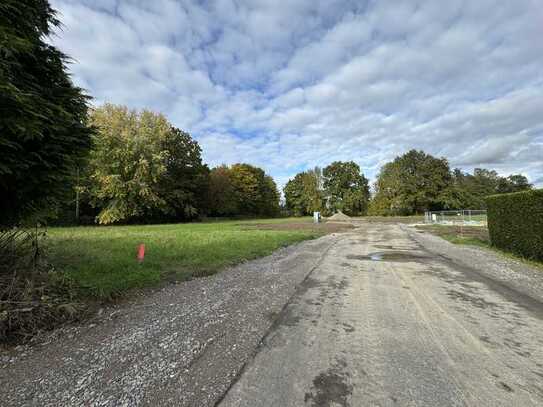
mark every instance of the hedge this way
{"type": "Point", "coordinates": [515, 222]}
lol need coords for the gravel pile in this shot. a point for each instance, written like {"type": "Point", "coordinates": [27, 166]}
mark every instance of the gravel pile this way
{"type": "Point", "coordinates": [339, 217]}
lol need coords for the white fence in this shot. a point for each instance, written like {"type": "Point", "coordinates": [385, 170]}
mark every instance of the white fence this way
{"type": "Point", "coordinates": [461, 216]}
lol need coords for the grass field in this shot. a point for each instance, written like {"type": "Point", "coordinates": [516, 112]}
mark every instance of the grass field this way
{"type": "Point", "coordinates": [101, 261]}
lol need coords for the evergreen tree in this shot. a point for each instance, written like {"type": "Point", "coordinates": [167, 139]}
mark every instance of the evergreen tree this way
{"type": "Point", "coordinates": [44, 136]}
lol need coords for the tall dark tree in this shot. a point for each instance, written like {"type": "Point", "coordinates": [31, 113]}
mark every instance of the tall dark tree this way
{"type": "Point", "coordinates": [295, 200]}
{"type": "Point", "coordinates": [346, 188]}
{"type": "Point", "coordinates": [186, 179]}
{"type": "Point", "coordinates": [44, 136]}
{"type": "Point", "coordinates": [221, 197]}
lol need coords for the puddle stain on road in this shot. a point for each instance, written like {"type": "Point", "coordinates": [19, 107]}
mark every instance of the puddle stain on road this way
{"type": "Point", "coordinates": [331, 388]}
{"type": "Point", "coordinates": [396, 256]}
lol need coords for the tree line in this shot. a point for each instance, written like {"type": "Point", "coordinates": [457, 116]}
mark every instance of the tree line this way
{"type": "Point", "coordinates": [410, 184]}
{"type": "Point", "coordinates": [60, 157]}
{"type": "Point", "coordinates": [142, 169]}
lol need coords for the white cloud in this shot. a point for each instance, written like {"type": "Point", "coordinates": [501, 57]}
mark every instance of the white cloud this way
{"type": "Point", "coordinates": [308, 82]}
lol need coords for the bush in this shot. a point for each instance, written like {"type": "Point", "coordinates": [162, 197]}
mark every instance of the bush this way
{"type": "Point", "coordinates": [515, 223]}
{"type": "Point", "coordinates": [33, 297]}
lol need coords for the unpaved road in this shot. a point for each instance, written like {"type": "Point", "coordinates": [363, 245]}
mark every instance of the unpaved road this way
{"type": "Point", "coordinates": [380, 316]}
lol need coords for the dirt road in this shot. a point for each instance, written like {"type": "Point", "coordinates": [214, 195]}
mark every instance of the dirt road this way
{"type": "Point", "coordinates": [379, 316]}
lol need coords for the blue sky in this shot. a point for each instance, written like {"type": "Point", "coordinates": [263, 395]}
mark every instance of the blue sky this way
{"type": "Point", "coordinates": [287, 85]}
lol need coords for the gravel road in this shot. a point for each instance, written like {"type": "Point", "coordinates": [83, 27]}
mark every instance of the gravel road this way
{"type": "Point", "coordinates": [381, 315]}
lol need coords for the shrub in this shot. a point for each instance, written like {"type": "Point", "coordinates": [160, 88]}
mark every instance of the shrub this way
{"type": "Point", "coordinates": [33, 297]}
{"type": "Point", "coordinates": [515, 222]}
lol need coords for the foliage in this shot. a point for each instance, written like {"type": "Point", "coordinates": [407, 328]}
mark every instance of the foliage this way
{"type": "Point", "coordinates": [515, 222]}
{"type": "Point", "coordinates": [43, 128]}
{"type": "Point", "coordinates": [304, 193]}
{"type": "Point", "coordinates": [221, 200]}
{"type": "Point", "coordinates": [412, 183]}
{"type": "Point", "coordinates": [470, 190]}
{"type": "Point", "coordinates": [185, 183]}
{"type": "Point", "coordinates": [242, 189]}
{"type": "Point", "coordinates": [141, 167]}
{"type": "Point", "coordinates": [346, 188]}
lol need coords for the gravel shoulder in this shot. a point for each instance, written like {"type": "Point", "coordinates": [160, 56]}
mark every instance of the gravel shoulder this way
{"type": "Point", "coordinates": [182, 345]}
{"type": "Point", "coordinates": [512, 273]}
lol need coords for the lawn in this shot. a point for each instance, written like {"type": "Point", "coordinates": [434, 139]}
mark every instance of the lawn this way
{"type": "Point", "coordinates": [101, 261]}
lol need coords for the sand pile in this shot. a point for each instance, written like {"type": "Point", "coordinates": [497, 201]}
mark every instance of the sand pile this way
{"type": "Point", "coordinates": [339, 217]}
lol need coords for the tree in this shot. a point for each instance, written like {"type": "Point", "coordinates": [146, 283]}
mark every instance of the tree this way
{"type": "Point", "coordinates": [470, 190]}
{"type": "Point", "coordinates": [221, 200]}
{"type": "Point", "coordinates": [242, 189]}
{"type": "Point", "coordinates": [412, 183]}
{"type": "Point", "coordinates": [142, 168]}
{"type": "Point", "coordinates": [294, 195]}
{"type": "Point", "coordinates": [346, 188]}
{"type": "Point", "coordinates": [256, 193]}
{"type": "Point", "coordinates": [513, 183]}
{"type": "Point", "coordinates": [43, 124]}
{"type": "Point", "coordinates": [186, 180]}
{"type": "Point", "coordinates": [304, 194]}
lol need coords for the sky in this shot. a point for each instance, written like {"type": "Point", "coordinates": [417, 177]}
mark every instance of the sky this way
{"type": "Point", "coordinates": [289, 85]}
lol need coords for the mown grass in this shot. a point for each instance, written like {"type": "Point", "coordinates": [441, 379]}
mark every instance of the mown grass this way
{"type": "Point", "coordinates": [101, 261]}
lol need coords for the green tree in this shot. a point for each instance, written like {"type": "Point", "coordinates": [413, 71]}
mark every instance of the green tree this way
{"type": "Point", "coordinates": [44, 134]}
{"type": "Point", "coordinates": [303, 193]}
{"type": "Point", "coordinates": [412, 183]}
{"type": "Point", "coordinates": [256, 193]}
{"type": "Point", "coordinates": [513, 183]}
{"type": "Point", "coordinates": [142, 168]}
{"type": "Point", "coordinates": [470, 190]}
{"type": "Point", "coordinates": [221, 197]}
{"type": "Point", "coordinates": [294, 195]}
{"type": "Point", "coordinates": [346, 188]}
{"type": "Point", "coordinates": [186, 180]}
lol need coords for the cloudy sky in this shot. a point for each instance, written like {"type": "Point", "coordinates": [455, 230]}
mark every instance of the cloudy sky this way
{"type": "Point", "coordinates": [288, 85]}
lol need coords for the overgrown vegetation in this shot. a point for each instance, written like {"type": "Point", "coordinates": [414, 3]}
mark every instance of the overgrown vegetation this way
{"type": "Point", "coordinates": [515, 223]}
{"type": "Point", "coordinates": [33, 296]}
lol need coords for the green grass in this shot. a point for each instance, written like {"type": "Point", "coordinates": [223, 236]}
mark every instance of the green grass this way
{"type": "Point", "coordinates": [473, 236]}
{"type": "Point", "coordinates": [101, 261]}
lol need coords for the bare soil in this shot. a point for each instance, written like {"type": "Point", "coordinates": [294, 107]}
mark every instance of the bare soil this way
{"type": "Point", "coordinates": [324, 228]}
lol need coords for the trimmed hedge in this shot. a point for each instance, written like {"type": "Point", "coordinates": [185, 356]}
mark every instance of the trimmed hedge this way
{"type": "Point", "coordinates": [515, 222]}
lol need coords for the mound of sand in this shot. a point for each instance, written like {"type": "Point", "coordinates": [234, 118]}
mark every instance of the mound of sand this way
{"type": "Point", "coordinates": [339, 217]}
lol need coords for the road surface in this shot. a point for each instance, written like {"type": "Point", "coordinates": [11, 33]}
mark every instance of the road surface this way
{"type": "Point", "coordinates": [378, 316]}
{"type": "Point", "coordinates": [384, 322]}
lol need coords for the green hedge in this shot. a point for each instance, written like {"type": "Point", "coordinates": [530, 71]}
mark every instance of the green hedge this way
{"type": "Point", "coordinates": [515, 222]}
